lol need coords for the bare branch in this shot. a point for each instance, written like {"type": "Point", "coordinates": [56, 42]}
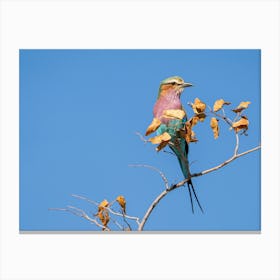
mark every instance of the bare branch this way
{"type": "Point", "coordinates": [234, 157]}
{"type": "Point", "coordinates": [236, 117]}
{"type": "Point", "coordinates": [150, 209]}
{"type": "Point", "coordinates": [223, 117]}
{"type": "Point", "coordinates": [155, 169]}
{"type": "Point", "coordinates": [182, 183]}
{"type": "Point", "coordinates": [223, 110]}
{"type": "Point", "coordinates": [141, 137]}
{"type": "Point", "coordinates": [136, 219]}
{"type": "Point", "coordinates": [86, 199]}
{"type": "Point", "coordinates": [80, 213]}
{"type": "Point", "coordinates": [124, 219]}
{"type": "Point", "coordinates": [116, 223]}
{"type": "Point", "coordinates": [237, 144]}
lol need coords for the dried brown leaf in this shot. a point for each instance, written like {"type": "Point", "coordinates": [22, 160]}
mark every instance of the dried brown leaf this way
{"type": "Point", "coordinates": [102, 205]}
{"type": "Point", "coordinates": [201, 116]}
{"type": "Point", "coordinates": [162, 145]}
{"type": "Point", "coordinates": [197, 118]}
{"type": "Point", "coordinates": [194, 120]}
{"type": "Point", "coordinates": [219, 104]}
{"type": "Point", "coordinates": [103, 213]}
{"type": "Point", "coordinates": [160, 138]}
{"type": "Point", "coordinates": [242, 124]}
{"type": "Point", "coordinates": [174, 113]}
{"type": "Point", "coordinates": [198, 106]}
{"type": "Point", "coordinates": [189, 133]}
{"type": "Point", "coordinates": [153, 126]}
{"type": "Point", "coordinates": [121, 200]}
{"type": "Point", "coordinates": [104, 217]}
{"type": "Point", "coordinates": [243, 105]}
{"type": "Point", "coordinates": [215, 127]}
{"type": "Point", "coordinates": [193, 139]}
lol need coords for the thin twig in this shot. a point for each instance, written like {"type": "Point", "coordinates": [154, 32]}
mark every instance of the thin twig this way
{"type": "Point", "coordinates": [116, 223]}
{"type": "Point", "coordinates": [86, 199]}
{"type": "Point", "coordinates": [234, 157]}
{"type": "Point", "coordinates": [141, 137]}
{"type": "Point", "coordinates": [136, 219]}
{"type": "Point", "coordinates": [223, 117]}
{"type": "Point", "coordinates": [156, 201]}
{"type": "Point", "coordinates": [124, 219]}
{"type": "Point", "coordinates": [80, 213]}
{"type": "Point", "coordinates": [150, 209]}
{"type": "Point", "coordinates": [155, 169]}
{"type": "Point", "coordinates": [236, 117]}
{"type": "Point", "coordinates": [237, 144]}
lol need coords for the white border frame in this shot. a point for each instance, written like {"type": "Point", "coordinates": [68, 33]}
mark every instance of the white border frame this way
{"type": "Point", "coordinates": [139, 24]}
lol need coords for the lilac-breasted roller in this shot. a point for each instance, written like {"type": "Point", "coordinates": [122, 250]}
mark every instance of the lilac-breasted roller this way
{"type": "Point", "coordinates": [167, 122]}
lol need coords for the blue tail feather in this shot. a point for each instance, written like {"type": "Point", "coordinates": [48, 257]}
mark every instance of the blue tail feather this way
{"type": "Point", "coordinates": [182, 156]}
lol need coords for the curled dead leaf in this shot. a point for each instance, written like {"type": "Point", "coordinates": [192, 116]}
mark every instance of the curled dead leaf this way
{"type": "Point", "coordinates": [189, 134]}
{"type": "Point", "coordinates": [161, 139]}
{"type": "Point", "coordinates": [215, 127]}
{"type": "Point", "coordinates": [104, 217]}
{"type": "Point", "coordinates": [162, 145]}
{"type": "Point", "coordinates": [174, 113]}
{"type": "Point", "coordinates": [194, 120]}
{"type": "Point", "coordinates": [121, 200]}
{"type": "Point", "coordinates": [102, 205]}
{"type": "Point", "coordinates": [153, 126]}
{"type": "Point", "coordinates": [197, 118]}
{"type": "Point", "coordinates": [242, 124]}
{"type": "Point", "coordinates": [243, 105]}
{"type": "Point", "coordinates": [198, 106]}
{"type": "Point", "coordinates": [103, 213]}
{"type": "Point", "coordinates": [201, 116]}
{"type": "Point", "coordinates": [193, 139]}
{"type": "Point", "coordinates": [219, 104]}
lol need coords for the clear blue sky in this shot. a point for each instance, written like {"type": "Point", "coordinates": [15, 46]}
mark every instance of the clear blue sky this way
{"type": "Point", "coordinates": [79, 111]}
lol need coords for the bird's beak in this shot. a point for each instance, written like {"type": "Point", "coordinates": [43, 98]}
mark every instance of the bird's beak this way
{"type": "Point", "coordinates": [186, 85]}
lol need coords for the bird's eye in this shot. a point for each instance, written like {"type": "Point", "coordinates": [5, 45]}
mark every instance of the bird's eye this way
{"type": "Point", "coordinates": [173, 83]}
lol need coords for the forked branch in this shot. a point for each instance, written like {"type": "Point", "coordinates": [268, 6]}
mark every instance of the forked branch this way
{"type": "Point", "coordinates": [182, 183]}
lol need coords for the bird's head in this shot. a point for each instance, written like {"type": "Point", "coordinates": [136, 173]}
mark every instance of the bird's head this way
{"type": "Point", "coordinates": [173, 84]}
